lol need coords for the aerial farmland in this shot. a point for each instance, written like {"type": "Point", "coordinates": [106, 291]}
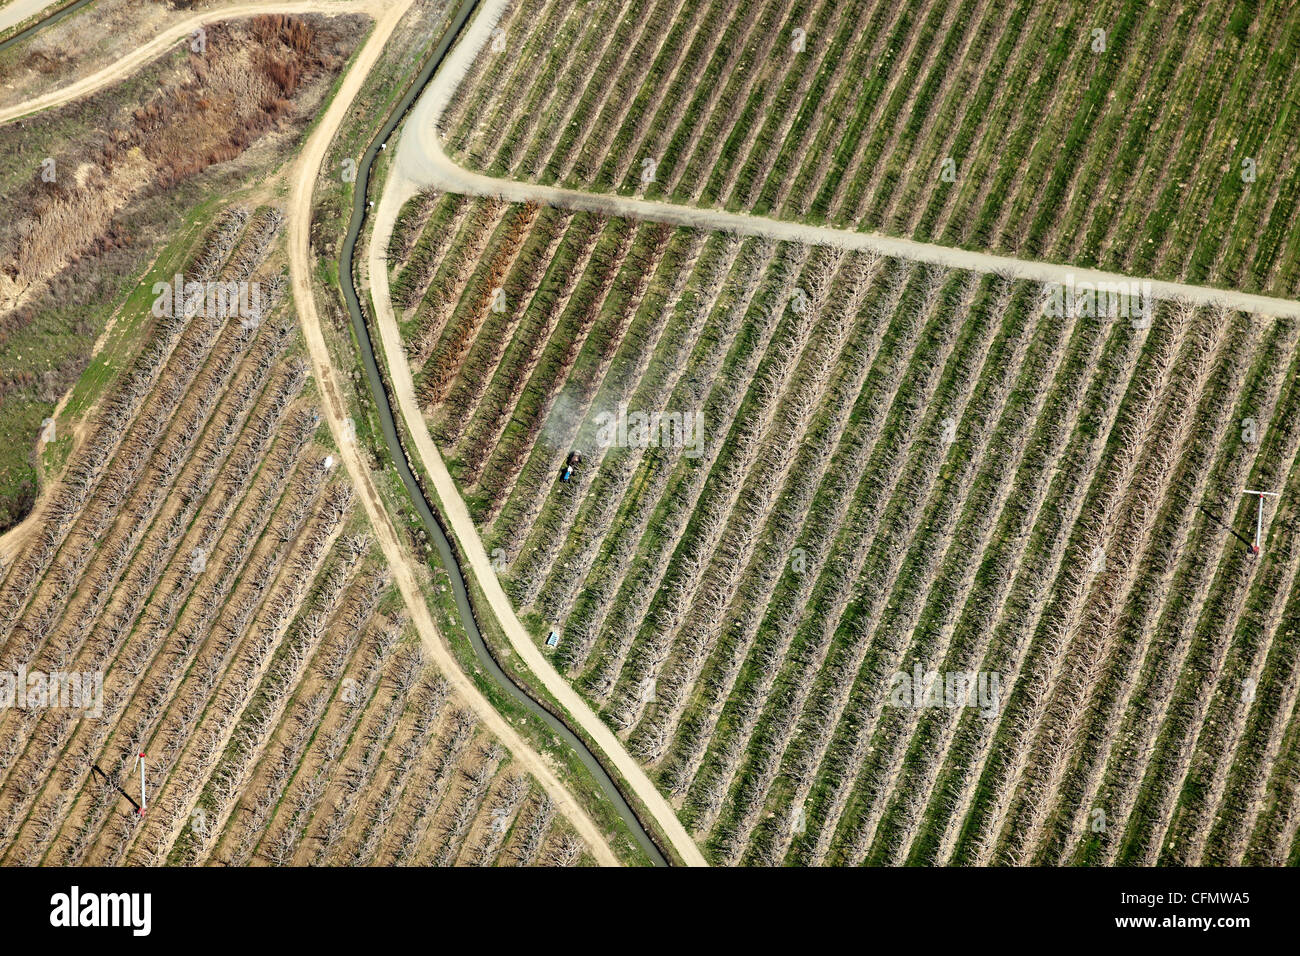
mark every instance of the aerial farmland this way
{"type": "Point", "coordinates": [887, 469]}
{"type": "Point", "coordinates": [576, 433]}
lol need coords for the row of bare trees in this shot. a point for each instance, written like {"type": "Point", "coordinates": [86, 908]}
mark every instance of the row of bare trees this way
{"type": "Point", "coordinates": [200, 356]}
{"type": "Point", "coordinates": [412, 277]}
{"type": "Point", "coordinates": [789, 707]}
{"type": "Point", "coordinates": [97, 486]}
{"type": "Point", "coordinates": [364, 765]}
{"type": "Point", "coordinates": [188, 742]}
{"type": "Point", "coordinates": [798, 536]}
{"type": "Point", "coordinates": [475, 302]}
{"type": "Point", "coordinates": [752, 463]}
{"type": "Point", "coordinates": [345, 711]}
{"type": "Point", "coordinates": [430, 699]}
{"type": "Point", "coordinates": [1045, 510]}
{"type": "Point", "coordinates": [484, 363]}
{"type": "Point", "coordinates": [156, 381]}
{"type": "Point", "coordinates": [1082, 574]}
{"type": "Point", "coordinates": [649, 470]}
{"type": "Point", "coordinates": [599, 46]}
{"type": "Point", "coordinates": [544, 389]}
{"type": "Point", "coordinates": [850, 694]}
{"type": "Point", "coordinates": [770, 630]}
{"type": "Point", "coordinates": [623, 333]}
{"type": "Point", "coordinates": [259, 719]}
{"type": "Point", "coordinates": [772, 506]}
{"type": "Point", "coordinates": [533, 831]}
{"type": "Point", "coordinates": [132, 660]}
{"type": "Point", "coordinates": [482, 438]}
{"type": "Point", "coordinates": [600, 486]}
{"type": "Point", "coordinates": [119, 543]}
{"type": "Point", "coordinates": [947, 541]}
{"type": "Point", "coordinates": [300, 722]}
{"type": "Point", "coordinates": [205, 596]}
{"type": "Point", "coordinates": [508, 798]}
{"type": "Point", "coordinates": [436, 297]}
{"type": "Point", "coordinates": [653, 125]}
{"type": "Point", "coordinates": [473, 789]}
{"type": "Point", "coordinates": [1154, 689]}
{"type": "Point", "coordinates": [430, 786]}
{"type": "Point", "coordinates": [1215, 672]}
{"type": "Point", "coordinates": [109, 621]}
{"type": "Point", "coordinates": [484, 75]}
{"type": "Point", "coordinates": [409, 226]}
{"type": "Point", "coordinates": [887, 803]}
{"type": "Point", "coordinates": [766, 356]}
{"type": "Point", "coordinates": [1132, 511]}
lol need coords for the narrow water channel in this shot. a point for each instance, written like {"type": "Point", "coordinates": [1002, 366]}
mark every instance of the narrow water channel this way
{"type": "Point", "coordinates": [422, 505]}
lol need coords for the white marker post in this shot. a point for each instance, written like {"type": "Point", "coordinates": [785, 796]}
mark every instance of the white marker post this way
{"type": "Point", "coordinates": [139, 762]}
{"type": "Point", "coordinates": [1259, 521]}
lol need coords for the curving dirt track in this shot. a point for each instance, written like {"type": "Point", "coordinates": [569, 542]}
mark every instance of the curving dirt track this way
{"type": "Point", "coordinates": [387, 13]}
{"type": "Point", "coordinates": [399, 559]}
{"type": "Point", "coordinates": [421, 162]}
{"type": "Point", "coordinates": [141, 55]}
{"type": "Point", "coordinates": [397, 189]}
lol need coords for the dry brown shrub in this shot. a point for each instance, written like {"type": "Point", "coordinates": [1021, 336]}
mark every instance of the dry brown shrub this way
{"type": "Point", "coordinates": [223, 100]}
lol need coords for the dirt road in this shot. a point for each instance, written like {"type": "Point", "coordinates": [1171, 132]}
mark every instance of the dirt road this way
{"type": "Point", "coordinates": [387, 13]}
{"type": "Point", "coordinates": [182, 30]}
{"type": "Point", "coordinates": [436, 169]}
{"type": "Point", "coordinates": [397, 189]}
{"type": "Point", "coordinates": [423, 163]}
{"type": "Point", "coordinates": [399, 559]}
{"type": "Point", "coordinates": [475, 558]}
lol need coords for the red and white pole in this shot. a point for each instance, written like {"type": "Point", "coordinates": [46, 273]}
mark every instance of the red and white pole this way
{"type": "Point", "coordinates": [1259, 518]}
{"type": "Point", "coordinates": [143, 803]}
{"type": "Point", "coordinates": [1259, 524]}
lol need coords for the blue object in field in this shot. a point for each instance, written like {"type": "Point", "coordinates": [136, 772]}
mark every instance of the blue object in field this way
{"type": "Point", "coordinates": [552, 639]}
{"type": "Point", "coordinates": [570, 463]}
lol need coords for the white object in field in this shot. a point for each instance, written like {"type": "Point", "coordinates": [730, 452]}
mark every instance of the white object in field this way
{"type": "Point", "coordinates": [139, 762]}
{"type": "Point", "coordinates": [1259, 519]}
{"type": "Point", "coordinates": [329, 462]}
